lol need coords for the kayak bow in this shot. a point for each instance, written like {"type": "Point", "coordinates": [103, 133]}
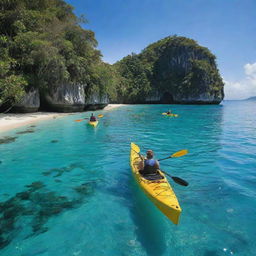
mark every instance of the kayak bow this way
{"type": "Point", "coordinates": [158, 191]}
{"type": "Point", "coordinates": [94, 123]}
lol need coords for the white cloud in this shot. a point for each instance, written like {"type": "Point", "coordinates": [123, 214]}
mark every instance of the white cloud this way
{"type": "Point", "coordinates": [250, 70]}
{"type": "Point", "coordinates": [242, 89]}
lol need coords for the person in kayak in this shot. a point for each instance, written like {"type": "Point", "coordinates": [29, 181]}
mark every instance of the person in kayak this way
{"type": "Point", "coordinates": [149, 166]}
{"type": "Point", "coordinates": [93, 118]}
{"type": "Point", "coordinates": [168, 112]}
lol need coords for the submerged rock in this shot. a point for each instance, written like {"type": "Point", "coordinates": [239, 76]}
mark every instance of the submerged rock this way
{"type": "Point", "coordinates": [54, 141]}
{"type": "Point", "coordinates": [35, 186]}
{"type": "Point", "coordinates": [3, 242]}
{"type": "Point", "coordinates": [6, 140]}
{"type": "Point", "coordinates": [39, 204]}
{"type": "Point", "coordinates": [60, 171]}
{"type": "Point", "coordinates": [24, 132]}
{"type": "Point", "coordinates": [23, 195]}
{"type": "Point", "coordinates": [85, 188]}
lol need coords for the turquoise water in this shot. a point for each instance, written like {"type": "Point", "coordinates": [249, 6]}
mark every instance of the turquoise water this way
{"type": "Point", "coordinates": [66, 188]}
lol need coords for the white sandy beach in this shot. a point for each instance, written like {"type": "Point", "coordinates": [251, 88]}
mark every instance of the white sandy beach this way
{"type": "Point", "coordinates": [112, 106]}
{"type": "Point", "coordinates": [11, 121]}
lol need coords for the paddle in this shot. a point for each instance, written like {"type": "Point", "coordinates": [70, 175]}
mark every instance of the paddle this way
{"type": "Point", "coordinates": [79, 120]}
{"type": "Point", "coordinates": [177, 154]}
{"type": "Point", "coordinates": [176, 179]}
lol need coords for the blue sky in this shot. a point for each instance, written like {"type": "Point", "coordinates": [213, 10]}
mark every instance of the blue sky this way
{"type": "Point", "coordinates": [226, 27]}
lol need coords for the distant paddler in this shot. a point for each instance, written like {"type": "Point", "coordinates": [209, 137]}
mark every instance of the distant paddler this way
{"type": "Point", "coordinates": [169, 113]}
{"type": "Point", "coordinates": [93, 118]}
{"type": "Point", "coordinates": [93, 121]}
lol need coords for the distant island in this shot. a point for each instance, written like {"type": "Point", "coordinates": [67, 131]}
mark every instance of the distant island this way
{"type": "Point", "coordinates": [252, 98]}
{"type": "Point", "coordinates": [49, 62]}
{"type": "Point", "coordinates": [172, 70]}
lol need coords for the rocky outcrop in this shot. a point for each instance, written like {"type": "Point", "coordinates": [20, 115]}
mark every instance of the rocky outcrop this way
{"type": "Point", "coordinates": [30, 103]}
{"type": "Point", "coordinates": [172, 70]}
{"type": "Point", "coordinates": [96, 101]}
{"type": "Point", "coordinates": [64, 98]}
{"type": "Point", "coordinates": [203, 98]}
{"type": "Point", "coordinates": [189, 75]}
{"type": "Point", "coordinates": [168, 98]}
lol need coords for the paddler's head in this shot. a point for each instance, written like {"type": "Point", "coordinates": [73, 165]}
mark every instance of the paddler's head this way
{"type": "Point", "coordinates": [150, 154]}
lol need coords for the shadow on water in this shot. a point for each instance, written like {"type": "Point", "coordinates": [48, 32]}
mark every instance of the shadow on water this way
{"type": "Point", "coordinates": [150, 228]}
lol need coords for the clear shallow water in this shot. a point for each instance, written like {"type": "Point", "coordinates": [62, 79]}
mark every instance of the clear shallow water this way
{"type": "Point", "coordinates": [71, 198]}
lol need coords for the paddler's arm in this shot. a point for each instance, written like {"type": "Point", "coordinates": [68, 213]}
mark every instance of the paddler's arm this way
{"type": "Point", "coordinates": [157, 165]}
{"type": "Point", "coordinates": [141, 163]}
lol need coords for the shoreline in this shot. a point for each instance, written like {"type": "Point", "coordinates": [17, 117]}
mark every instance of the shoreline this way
{"type": "Point", "coordinates": [11, 121]}
{"type": "Point", "coordinates": [112, 106]}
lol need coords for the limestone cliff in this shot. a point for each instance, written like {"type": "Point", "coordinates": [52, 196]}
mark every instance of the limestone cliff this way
{"type": "Point", "coordinates": [64, 98]}
{"type": "Point", "coordinates": [96, 101]}
{"type": "Point", "coordinates": [29, 103]}
{"type": "Point", "coordinates": [172, 70]}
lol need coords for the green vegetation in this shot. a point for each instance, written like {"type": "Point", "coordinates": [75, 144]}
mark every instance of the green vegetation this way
{"type": "Point", "coordinates": [135, 81]}
{"type": "Point", "coordinates": [43, 46]}
{"type": "Point", "coordinates": [174, 64]}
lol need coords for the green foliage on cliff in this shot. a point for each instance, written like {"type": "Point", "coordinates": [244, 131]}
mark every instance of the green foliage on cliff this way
{"type": "Point", "coordinates": [104, 80]}
{"type": "Point", "coordinates": [136, 79]}
{"type": "Point", "coordinates": [177, 65]}
{"type": "Point", "coordinates": [11, 84]}
{"type": "Point", "coordinates": [42, 45]}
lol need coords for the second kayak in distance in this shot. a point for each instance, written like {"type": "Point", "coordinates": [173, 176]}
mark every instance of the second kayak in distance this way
{"type": "Point", "coordinates": [165, 114]}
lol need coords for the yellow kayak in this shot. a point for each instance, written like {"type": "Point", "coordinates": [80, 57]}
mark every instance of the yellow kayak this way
{"type": "Point", "coordinates": [94, 123]}
{"type": "Point", "coordinates": [158, 191]}
{"type": "Point", "coordinates": [165, 114]}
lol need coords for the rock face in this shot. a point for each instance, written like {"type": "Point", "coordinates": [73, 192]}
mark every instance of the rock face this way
{"type": "Point", "coordinates": [172, 70]}
{"type": "Point", "coordinates": [64, 98]}
{"type": "Point", "coordinates": [96, 101]}
{"type": "Point", "coordinates": [187, 75]}
{"type": "Point", "coordinates": [30, 103]}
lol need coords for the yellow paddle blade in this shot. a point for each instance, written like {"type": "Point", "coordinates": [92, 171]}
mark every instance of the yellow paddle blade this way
{"type": "Point", "coordinates": [180, 153]}
{"type": "Point", "coordinates": [100, 115]}
{"type": "Point", "coordinates": [79, 120]}
{"type": "Point", "coordinates": [135, 147]}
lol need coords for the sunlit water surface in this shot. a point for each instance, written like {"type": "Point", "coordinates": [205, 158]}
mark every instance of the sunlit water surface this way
{"type": "Point", "coordinates": [66, 188]}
